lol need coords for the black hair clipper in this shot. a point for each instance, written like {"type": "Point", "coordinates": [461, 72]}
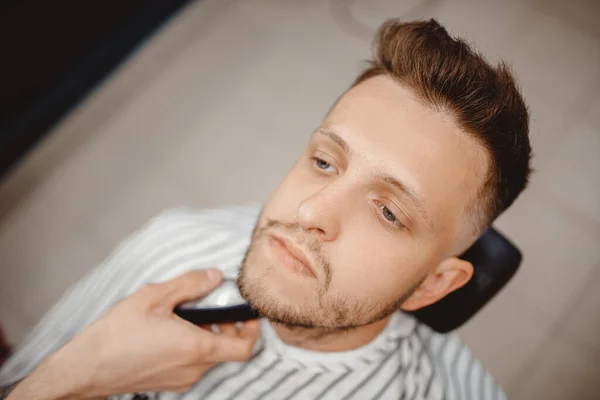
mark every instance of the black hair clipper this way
{"type": "Point", "coordinates": [223, 305]}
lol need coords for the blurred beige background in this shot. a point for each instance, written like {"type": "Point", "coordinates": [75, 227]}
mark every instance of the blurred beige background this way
{"type": "Point", "coordinates": [216, 106]}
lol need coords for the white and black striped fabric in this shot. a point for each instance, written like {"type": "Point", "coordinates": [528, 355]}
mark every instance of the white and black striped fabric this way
{"type": "Point", "coordinates": [406, 361]}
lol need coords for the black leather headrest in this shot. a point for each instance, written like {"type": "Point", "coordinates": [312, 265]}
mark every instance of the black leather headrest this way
{"type": "Point", "coordinates": [495, 260]}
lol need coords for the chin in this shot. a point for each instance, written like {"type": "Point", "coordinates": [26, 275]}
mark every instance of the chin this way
{"type": "Point", "coordinates": [296, 306]}
{"type": "Point", "coordinates": [276, 296]}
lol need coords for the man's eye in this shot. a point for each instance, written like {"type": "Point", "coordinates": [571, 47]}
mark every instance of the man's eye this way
{"type": "Point", "coordinates": [389, 215]}
{"type": "Point", "coordinates": [324, 165]}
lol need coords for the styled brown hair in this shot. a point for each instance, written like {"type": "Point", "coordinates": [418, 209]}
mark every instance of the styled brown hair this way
{"type": "Point", "coordinates": [446, 74]}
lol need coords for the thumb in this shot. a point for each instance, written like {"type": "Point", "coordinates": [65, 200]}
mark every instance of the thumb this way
{"type": "Point", "coordinates": [191, 286]}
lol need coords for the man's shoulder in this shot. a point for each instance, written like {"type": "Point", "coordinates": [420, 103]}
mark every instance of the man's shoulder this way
{"type": "Point", "coordinates": [180, 239]}
{"type": "Point", "coordinates": [201, 223]}
{"type": "Point", "coordinates": [454, 366]}
{"type": "Point", "coordinates": [186, 217]}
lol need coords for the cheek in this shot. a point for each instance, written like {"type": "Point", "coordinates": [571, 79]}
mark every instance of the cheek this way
{"type": "Point", "coordinates": [372, 266]}
{"type": "Point", "coordinates": [369, 262]}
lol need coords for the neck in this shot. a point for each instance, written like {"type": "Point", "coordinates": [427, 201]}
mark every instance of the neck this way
{"type": "Point", "coordinates": [330, 340]}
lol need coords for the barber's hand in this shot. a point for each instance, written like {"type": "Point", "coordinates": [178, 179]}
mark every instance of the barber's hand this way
{"type": "Point", "coordinates": [141, 345]}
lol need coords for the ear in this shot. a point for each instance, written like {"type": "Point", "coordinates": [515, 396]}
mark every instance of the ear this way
{"type": "Point", "coordinates": [453, 273]}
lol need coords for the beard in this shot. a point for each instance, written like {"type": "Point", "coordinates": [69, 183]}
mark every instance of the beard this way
{"type": "Point", "coordinates": [330, 312]}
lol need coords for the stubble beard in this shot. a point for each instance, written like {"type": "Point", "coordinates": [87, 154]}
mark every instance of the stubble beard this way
{"type": "Point", "coordinates": [331, 314]}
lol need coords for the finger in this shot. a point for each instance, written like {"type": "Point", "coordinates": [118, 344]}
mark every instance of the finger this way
{"type": "Point", "coordinates": [237, 348]}
{"type": "Point", "coordinates": [229, 330]}
{"type": "Point", "coordinates": [190, 286]}
{"type": "Point", "coordinates": [250, 330]}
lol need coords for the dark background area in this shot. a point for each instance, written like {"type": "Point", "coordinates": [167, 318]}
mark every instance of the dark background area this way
{"type": "Point", "coordinates": [52, 53]}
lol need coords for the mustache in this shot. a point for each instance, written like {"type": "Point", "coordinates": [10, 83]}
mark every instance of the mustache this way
{"type": "Point", "coordinates": [296, 233]}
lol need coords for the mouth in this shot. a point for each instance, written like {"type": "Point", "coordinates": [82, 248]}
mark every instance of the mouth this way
{"type": "Point", "coordinates": [291, 256]}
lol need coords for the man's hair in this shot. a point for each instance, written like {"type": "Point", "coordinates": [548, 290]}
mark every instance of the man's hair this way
{"type": "Point", "coordinates": [444, 73]}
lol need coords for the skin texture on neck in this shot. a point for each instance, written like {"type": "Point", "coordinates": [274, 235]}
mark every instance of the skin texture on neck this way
{"type": "Point", "coordinates": [319, 339]}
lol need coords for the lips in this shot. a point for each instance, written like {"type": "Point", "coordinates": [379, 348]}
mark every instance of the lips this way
{"type": "Point", "coordinates": [296, 253]}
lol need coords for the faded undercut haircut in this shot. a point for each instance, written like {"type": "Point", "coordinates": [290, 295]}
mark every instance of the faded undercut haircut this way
{"type": "Point", "coordinates": [446, 74]}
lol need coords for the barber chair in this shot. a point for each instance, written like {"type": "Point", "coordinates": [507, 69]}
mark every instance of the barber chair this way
{"type": "Point", "coordinates": [495, 260]}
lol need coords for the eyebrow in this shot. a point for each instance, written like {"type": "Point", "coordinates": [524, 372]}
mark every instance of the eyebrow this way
{"type": "Point", "coordinates": [413, 196]}
{"type": "Point", "coordinates": [337, 139]}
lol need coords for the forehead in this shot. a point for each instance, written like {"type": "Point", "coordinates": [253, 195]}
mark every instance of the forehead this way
{"type": "Point", "coordinates": [392, 131]}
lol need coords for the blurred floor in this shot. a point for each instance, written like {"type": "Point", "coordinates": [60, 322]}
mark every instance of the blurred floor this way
{"type": "Point", "coordinates": [215, 108]}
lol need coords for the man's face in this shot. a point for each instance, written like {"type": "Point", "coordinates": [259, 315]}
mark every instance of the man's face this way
{"type": "Point", "coordinates": [371, 207]}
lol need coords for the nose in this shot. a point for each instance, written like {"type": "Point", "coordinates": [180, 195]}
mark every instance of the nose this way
{"type": "Point", "coordinates": [319, 215]}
